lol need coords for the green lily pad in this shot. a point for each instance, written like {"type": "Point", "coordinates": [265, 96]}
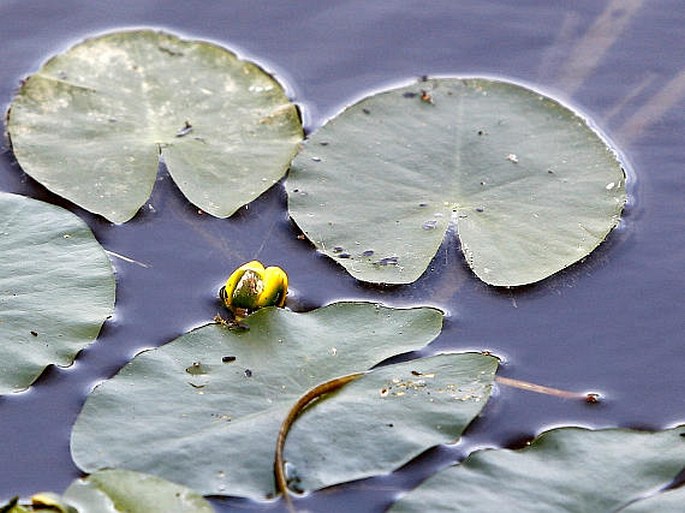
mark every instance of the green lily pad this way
{"type": "Point", "coordinates": [205, 410]}
{"type": "Point", "coordinates": [56, 289]}
{"type": "Point", "coordinates": [119, 491]}
{"type": "Point", "coordinates": [570, 469]}
{"type": "Point", "coordinates": [388, 417]}
{"type": "Point", "coordinates": [123, 491]}
{"type": "Point", "coordinates": [667, 502]}
{"type": "Point", "coordinates": [530, 186]}
{"type": "Point", "coordinates": [92, 124]}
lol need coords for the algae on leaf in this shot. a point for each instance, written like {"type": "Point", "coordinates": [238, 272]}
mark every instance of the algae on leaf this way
{"type": "Point", "coordinates": [56, 289]}
{"type": "Point", "coordinates": [205, 409]}
{"type": "Point", "coordinates": [568, 469]}
{"type": "Point", "coordinates": [530, 186]}
{"type": "Point", "coordinates": [93, 123]}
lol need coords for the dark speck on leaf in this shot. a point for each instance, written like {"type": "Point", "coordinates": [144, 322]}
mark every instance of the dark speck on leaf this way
{"type": "Point", "coordinates": [368, 253]}
{"type": "Point", "coordinates": [480, 209]}
{"type": "Point", "coordinates": [366, 111]}
{"type": "Point", "coordinates": [228, 359]}
{"type": "Point", "coordinates": [393, 260]}
{"type": "Point", "coordinates": [248, 373]}
{"type": "Point", "coordinates": [34, 333]}
{"type": "Point", "coordinates": [422, 205]}
{"type": "Point", "coordinates": [390, 425]}
{"type": "Point", "coordinates": [338, 249]}
{"type": "Point", "coordinates": [324, 143]}
{"type": "Point", "coordinates": [344, 254]}
{"type": "Point", "coordinates": [409, 94]}
{"type": "Point", "coordinates": [426, 97]}
{"type": "Point", "coordinates": [187, 128]}
{"type": "Point", "coordinates": [169, 51]}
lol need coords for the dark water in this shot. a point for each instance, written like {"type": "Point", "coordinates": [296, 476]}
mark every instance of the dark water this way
{"type": "Point", "coordinates": [612, 324]}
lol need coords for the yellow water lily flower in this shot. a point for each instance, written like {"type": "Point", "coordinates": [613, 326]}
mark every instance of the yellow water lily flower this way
{"type": "Point", "coordinates": [252, 287]}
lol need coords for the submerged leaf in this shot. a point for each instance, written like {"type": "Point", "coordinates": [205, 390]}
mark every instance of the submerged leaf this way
{"type": "Point", "coordinates": [570, 469]}
{"type": "Point", "coordinates": [530, 186]}
{"type": "Point", "coordinates": [92, 124]}
{"type": "Point", "coordinates": [205, 410]}
{"type": "Point", "coordinates": [56, 289]}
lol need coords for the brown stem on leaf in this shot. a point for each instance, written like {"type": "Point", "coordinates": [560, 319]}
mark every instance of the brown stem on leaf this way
{"type": "Point", "coordinates": [323, 388]}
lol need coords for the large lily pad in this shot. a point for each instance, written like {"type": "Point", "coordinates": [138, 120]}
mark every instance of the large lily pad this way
{"type": "Point", "coordinates": [56, 289]}
{"type": "Point", "coordinates": [531, 187]}
{"type": "Point", "coordinates": [570, 469]}
{"type": "Point", "coordinates": [119, 491]}
{"type": "Point", "coordinates": [205, 409]}
{"type": "Point", "coordinates": [92, 124]}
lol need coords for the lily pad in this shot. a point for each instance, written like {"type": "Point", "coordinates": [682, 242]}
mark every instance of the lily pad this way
{"type": "Point", "coordinates": [388, 417]}
{"type": "Point", "coordinates": [570, 469]}
{"type": "Point", "coordinates": [123, 491]}
{"type": "Point", "coordinates": [205, 409]}
{"type": "Point", "coordinates": [530, 186]}
{"type": "Point", "coordinates": [119, 491]}
{"type": "Point", "coordinates": [56, 289]}
{"type": "Point", "coordinates": [93, 123]}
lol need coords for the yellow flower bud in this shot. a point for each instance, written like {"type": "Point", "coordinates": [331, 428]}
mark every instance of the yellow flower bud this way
{"type": "Point", "coordinates": [252, 287]}
{"type": "Point", "coordinates": [50, 501]}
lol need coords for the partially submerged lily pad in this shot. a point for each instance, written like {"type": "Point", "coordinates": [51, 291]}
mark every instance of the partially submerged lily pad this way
{"type": "Point", "coordinates": [530, 185]}
{"type": "Point", "coordinates": [56, 289]}
{"type": "Point", "coordinates": [93, 123]}
{"type": "Point", "coordinates": [567, 469]}
{"type": "Point", "coordinates": [119, 491]}
{"type": "Point", "coordinates": [205, 409]}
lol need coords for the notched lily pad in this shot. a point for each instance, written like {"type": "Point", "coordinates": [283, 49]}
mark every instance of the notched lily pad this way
{"type": "Point", "coordinates": [529, 184]}
{"type": "Point", "coordinates": [567, 469]}
{"type": "Point", "coordinates": [205, 410]}
{"type": "Point", "coordinates": [56, 289]}
{"type": "Point", "coordinates": [118, 491]}
{"type": "Point", "coordinates": [92, 124]}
